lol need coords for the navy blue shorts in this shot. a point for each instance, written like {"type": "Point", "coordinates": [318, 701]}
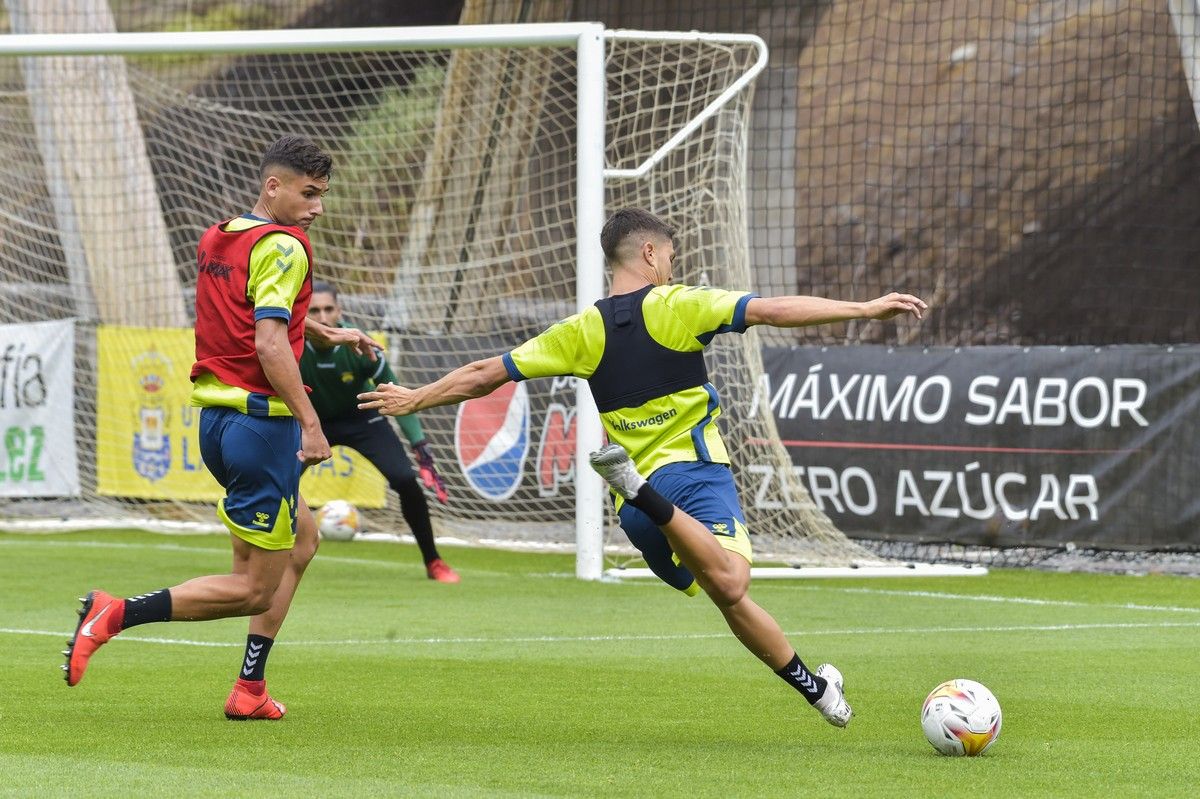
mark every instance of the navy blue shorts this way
{"type": "Point", "coordinates": [254, 459]}
{"type": "Point", "coordinates": [706, 492]}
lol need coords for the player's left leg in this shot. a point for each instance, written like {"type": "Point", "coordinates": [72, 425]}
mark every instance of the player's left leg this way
{"type": "Point", "coordinates": [373, 437]}
{"type": "Point", "coordinates": [717, 551]}
{"type": "Point", "coordinates": [249, 698]}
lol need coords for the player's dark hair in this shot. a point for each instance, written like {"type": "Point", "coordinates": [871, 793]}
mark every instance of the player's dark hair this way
{"type": "Point", "coordinates": [625, 223]}
{"type": "Point", "coordinates": [297, 154]}
{"type": "Point", "coordinates": [324, 287]}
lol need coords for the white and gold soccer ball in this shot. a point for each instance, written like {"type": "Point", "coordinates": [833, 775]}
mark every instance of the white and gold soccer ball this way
{"type": "Point", "coordinates": [961, 717]}
{"type": "Point", "coordinates": [337, 520]}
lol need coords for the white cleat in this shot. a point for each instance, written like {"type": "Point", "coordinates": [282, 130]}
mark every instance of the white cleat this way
{"type": "Point", "coordinates": [832, 704]}
{"type": "Point", "coordinates": [613, 464]}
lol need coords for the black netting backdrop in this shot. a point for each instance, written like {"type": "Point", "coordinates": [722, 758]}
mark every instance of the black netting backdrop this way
{"type": "Point", "coordinates": [1030, 168]}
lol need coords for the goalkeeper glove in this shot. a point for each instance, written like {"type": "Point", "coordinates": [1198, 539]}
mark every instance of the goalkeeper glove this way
{"type": "Point", "coordinates": [429, 475]}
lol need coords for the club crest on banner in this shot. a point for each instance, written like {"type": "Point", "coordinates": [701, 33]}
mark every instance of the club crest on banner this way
{"type": "Point", "coordinates": [151, 444]}
{"type": "Point", "coordinates": [491, 440]}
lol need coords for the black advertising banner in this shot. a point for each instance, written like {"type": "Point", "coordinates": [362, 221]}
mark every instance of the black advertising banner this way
{"type": "Point", "coordinates": [1003, 446]}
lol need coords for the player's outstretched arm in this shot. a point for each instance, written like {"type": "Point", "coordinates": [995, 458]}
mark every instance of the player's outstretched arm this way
{"type": "Point", "coordinates": [476, 379]}
{"type": "Point", "coordinates": [328, 336]}
{"type": "Point", "coordinates": [801, 311]}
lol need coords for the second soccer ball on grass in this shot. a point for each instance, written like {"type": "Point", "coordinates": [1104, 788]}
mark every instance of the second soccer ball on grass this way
{"type": "Point", "coordinates": [337, 520]}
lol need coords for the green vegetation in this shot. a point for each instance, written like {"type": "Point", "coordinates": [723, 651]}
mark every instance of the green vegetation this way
{"type": "Point", "coordinates": [377, 173]}
{"type": "Point", "coordinates": [523, 681]}
{"type": "Point", "coordinates": [232, 16]}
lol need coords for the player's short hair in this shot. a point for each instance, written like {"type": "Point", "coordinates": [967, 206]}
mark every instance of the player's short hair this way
{"type": "Point", "coordinates": [298, 154]}
{"type": "Point", "coordinates": [325, 287]}
{"type": "Point", "coordinates": [625, 223]}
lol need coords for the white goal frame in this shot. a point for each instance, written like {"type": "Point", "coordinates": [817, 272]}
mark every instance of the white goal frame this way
{"type": "Point", "coordinates": [588, 40]}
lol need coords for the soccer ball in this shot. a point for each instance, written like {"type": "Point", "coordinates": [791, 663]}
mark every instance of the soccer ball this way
{"type": "Point", "coordinates": [961, 717]}
{"type": "Point", "coordinates": [337, 520]}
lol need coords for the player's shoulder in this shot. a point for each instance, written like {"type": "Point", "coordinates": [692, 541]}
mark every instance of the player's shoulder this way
{"type": "Point", "coordinates": [289, 239]}
{"type": "Point", "coordinates": [286, 235]}
{"type": "Point", "coordinates": [676, 291]}
{"type": "Point", "coordinates": [581, 319]}
{"type": "Point", "coordinates": [680, 296]}
{"type": "Point", "coordinates": [280, 249]}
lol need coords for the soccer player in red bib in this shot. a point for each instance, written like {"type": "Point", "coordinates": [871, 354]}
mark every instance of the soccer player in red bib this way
{"type": "Point", "coordinates": [258, 429]}
{"type": "Point", "coordinates": [641, 351]}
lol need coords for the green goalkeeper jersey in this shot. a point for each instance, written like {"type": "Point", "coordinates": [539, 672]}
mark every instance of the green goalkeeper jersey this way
{"type": "Point", "coordinates": [642, 354]}
{"type": "Point", "coordinates": [337, 376]}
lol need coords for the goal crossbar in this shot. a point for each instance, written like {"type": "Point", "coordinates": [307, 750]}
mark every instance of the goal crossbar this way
{"type": "Point", "coordinates": [298, 40]}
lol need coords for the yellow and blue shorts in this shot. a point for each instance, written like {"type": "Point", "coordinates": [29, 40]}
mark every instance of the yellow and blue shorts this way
{"type": "Point", "coordinates": [706, 492]}
{"type": "Point", "coordinates": [254, 459]}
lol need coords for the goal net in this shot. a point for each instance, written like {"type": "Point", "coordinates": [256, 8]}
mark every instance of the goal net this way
{"type": "Point", "coordinates": [450, 229]}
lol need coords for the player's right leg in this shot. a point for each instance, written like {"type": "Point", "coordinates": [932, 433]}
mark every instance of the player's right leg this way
{"type": "Point", "coordinates": [254, 459]}
{"type": "Point", "coordinates": [721, 567]}
{"type": "Point", "coordinates": [245, 591]}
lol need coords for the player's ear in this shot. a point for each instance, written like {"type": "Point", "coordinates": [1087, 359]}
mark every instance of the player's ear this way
{"type": "Point", "coordinates": [648, 252]}
{"type": "Point", "coordinates": [271, 185]}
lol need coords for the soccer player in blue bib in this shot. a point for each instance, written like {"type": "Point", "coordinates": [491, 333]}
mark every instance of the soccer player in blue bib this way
{"type": "Point", "coordinates": [641, 351]}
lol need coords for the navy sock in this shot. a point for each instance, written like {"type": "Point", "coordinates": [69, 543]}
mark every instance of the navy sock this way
{"type": "Point", "coordinates": [254, 664]}
{"type": "Point", "coordinates": [797, 675]}
{"type": "Point", "coordinates": [653, 504]}
{"type": "Point", "coordinates": [146, 608]}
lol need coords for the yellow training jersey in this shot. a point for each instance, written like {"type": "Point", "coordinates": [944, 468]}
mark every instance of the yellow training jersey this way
{"type": "Point", "coordinates": [642, 354]}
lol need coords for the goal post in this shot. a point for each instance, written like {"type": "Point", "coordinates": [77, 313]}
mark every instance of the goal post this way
{"type": "Point", "coordinates": [473, 169]}
{"type": "Point", "coordinates": [1185, 18]}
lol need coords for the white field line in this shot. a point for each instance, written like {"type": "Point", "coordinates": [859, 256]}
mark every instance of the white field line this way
{"type": "Point", "coordinates": [571, 639]}
{"type": "Point", "coordinates": [1012, 600]}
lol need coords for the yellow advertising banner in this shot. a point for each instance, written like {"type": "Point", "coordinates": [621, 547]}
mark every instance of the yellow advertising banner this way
{"type": "Point", "coordinates": [147, 435]}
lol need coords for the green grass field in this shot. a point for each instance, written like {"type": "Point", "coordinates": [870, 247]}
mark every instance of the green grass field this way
{"type": "Point", "coordinates": [523, 681]}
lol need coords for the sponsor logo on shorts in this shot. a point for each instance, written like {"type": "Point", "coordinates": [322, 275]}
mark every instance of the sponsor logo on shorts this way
{"type": "Point", "coordinates": [637, 424]}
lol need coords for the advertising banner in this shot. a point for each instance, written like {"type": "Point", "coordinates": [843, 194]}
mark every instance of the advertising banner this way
{"type": "Point", "coordinates": [1004, 446]}
{"type": "Point", "coordinates": [147, 435]}
{"type": "Point", "coordinates": [514, 449]}
{"type": "Point", "coordinates": [37, 410]}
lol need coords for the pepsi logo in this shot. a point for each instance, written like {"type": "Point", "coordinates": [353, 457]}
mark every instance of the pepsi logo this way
{"type": "Point", "coordinates": [491, 440]}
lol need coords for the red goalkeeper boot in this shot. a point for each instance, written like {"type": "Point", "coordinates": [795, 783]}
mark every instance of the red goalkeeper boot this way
{"type": "Point", "coordinates": [440, 570]}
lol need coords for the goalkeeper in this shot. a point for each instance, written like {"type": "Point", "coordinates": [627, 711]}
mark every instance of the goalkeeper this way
{"type": "Point", "coordinates": [641, 351]}
{"type": "Point", "coordinates": [336, 375]}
